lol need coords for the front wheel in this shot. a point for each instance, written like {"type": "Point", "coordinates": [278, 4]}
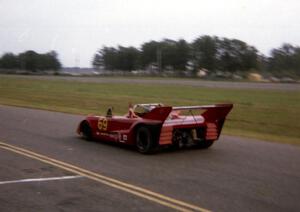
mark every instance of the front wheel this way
{"type": "Point", "coordinates": [145, 140]}
{"type": "Point", "coordinates": [86, 131]}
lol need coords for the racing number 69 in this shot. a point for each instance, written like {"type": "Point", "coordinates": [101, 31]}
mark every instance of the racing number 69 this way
{"type": "Point", "coordinates": [102, 124]}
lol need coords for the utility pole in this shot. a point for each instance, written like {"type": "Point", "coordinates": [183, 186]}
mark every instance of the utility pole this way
{"type": "Point", "coordinates": [159, 59]}
{"type": "Point", "coordinates": [77, 61]}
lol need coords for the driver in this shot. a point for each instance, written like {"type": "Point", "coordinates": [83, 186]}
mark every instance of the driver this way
{"type": "Point", "coordinates": [175, 114]}
{"type": "Point", "coordinates": [131, 113]}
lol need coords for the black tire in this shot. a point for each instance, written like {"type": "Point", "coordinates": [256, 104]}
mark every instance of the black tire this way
{"type": "Point", "coordinates": [86, 131]}
{"type": "Point", "coordinates": [145, 140]}
{"type": "Point", "coordinates": [204, 144]}
{"type": "Point", "coordinates": [176, 140]}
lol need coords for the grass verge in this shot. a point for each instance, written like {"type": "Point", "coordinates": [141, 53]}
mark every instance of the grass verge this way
{"type": "Point", "coordinates": [267, 115]}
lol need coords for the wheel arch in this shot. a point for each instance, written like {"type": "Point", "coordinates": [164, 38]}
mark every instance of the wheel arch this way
{"type": "Point", "coordinates": [146, 138]}
{"type": "Point", "coordinates": [79, 128]}
{"type": "Point", "coordinates": [154, 128]}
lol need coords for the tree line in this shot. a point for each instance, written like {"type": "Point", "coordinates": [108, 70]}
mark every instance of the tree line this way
{"type": "Point", "coordinates": [206, 52]}
{"type": "Point", "coordinates": [30, 61]}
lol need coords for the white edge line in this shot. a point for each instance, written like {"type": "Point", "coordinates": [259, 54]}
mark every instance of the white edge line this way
{"type": "Point", "coordinates": [40, 179]}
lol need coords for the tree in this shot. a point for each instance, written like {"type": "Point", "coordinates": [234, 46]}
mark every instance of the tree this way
{"type": "Point", "coordinates": [32, 61]}
{"type": "Point", "coordinates": [98, 62]}
{"type": "Point", "coordinates": [106, 57]}
{"type": "Point", "coordinates": [183, 54]}
{"type": "Point", "coordinates": [122, 58]}
{"type": "Point", "coordinates": [149, 53]}
{"type": "Point", "coordinates": [53, 61]}
{"type": "Point", "coordinates": [9, 61]}
{"type": "Point", "coordinates": [224, 54]}
{"type": "Point", "coordinates": [29, 60]}
{"type": "Point", "coordinates": [235, 55]}
{"type": "Point", "coordinates": [209, 52]}
{"type": "Point", "coordinates": [204, 52]}
{"type": "Point", "coordinates": [285, 59]}
{"type": "Point", "coordinates": [128, 58]}
{"type": "Point", "coordinates": [168, 53]}
{"type": "Point", "coordinates": [168, 50]}
{"type": "Point", "coordinates": [48, 61]}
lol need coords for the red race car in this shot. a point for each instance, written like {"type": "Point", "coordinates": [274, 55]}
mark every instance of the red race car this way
{"type": "Point", "coordinates": [149, 126]}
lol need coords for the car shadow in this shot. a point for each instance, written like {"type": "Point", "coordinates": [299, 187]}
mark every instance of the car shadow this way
{"type": "Point", "coordinates": [131, 148]}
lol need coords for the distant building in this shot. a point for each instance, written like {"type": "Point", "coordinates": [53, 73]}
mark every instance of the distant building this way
{"type": "Point", "coordinates": [255, 77]}
{"type": "Point", "coordinates": [78, 71]}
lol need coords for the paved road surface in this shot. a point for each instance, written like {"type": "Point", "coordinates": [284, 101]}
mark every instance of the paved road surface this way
{"type": "Point", "coordinates": [189, 82]}
{"type": "Point", "coordinates": [236, 174]}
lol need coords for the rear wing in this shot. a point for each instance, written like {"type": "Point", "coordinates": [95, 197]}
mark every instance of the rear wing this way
{"type": "Point", "coordinates": [211, 113]}
{"type": "Point", "coordinates": [214, 116]}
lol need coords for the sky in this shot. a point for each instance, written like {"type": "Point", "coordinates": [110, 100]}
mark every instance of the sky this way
{"type": "Point", "coordinates": [76, 29]}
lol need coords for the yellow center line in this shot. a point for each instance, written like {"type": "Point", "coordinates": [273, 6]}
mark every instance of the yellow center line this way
{"type": "Point", "coordinates": [138, 191]}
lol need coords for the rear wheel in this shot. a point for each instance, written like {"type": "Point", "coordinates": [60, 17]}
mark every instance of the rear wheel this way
{"type": "Point", "coordinates": [86, 131]}
{"type": "Point", "coordinates": [178, 140]}
{"type": "Point", "coordinates": [204, 144]}
{"type": "Point", "coordinates": [145, 140]}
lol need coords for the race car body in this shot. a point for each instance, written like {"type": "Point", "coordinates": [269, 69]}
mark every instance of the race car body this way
{"type": "Point", "coordinates": [154, 125]}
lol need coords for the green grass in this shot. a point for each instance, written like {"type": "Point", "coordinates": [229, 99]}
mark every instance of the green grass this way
{"type": "Point", "coordinates": [268, 115]}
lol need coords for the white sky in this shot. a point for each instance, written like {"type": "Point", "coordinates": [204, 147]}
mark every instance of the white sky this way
{"type": "Point", "coordinates": [77, 28]}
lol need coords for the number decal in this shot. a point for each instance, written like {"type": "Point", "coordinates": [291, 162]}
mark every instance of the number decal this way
{"type": "Point", "coordinates": [102, 124]}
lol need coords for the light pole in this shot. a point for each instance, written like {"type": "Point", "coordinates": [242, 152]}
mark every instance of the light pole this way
{"type": "Point", "coordinates": [158, 55]}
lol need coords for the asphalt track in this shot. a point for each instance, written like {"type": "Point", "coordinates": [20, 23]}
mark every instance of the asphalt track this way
{"type": "Point", "coordinates": [236, 174]}
{"type": "Point", "coordinates": [173, 81]}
